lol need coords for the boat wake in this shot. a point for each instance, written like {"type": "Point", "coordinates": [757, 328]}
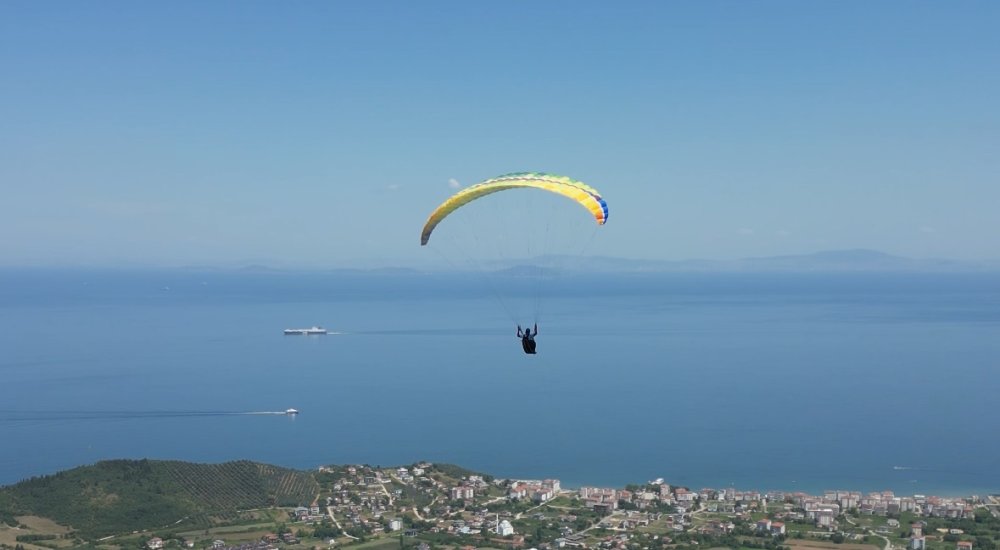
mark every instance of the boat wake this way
{"type": "Point", "coordinates": [43, 416]}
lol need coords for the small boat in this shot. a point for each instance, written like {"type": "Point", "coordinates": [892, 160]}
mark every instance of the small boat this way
{"type": "Point", "coordinates": [313, 330]}
{"type": "Point", "coordinates": [291, 412]}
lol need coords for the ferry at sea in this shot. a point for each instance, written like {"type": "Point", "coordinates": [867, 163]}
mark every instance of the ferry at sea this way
{"type": "Point", "coordinates": [312, 330]}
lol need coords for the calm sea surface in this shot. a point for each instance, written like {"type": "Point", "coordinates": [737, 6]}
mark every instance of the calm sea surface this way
{"type": "Point", "coordinates": [795, 382]}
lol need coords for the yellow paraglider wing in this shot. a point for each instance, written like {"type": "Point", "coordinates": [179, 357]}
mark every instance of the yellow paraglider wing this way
{"type": "Point", "coordinates": [586, 196]}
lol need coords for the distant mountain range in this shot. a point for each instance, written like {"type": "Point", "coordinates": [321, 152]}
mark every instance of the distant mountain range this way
{"type": "Point", "coordinates": [857, 260]}
{"type": "Point", "coordinates": [832, 261]}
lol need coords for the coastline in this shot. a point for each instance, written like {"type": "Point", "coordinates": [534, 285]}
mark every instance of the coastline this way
{"type": "Point", "coordinates": [619, 482]}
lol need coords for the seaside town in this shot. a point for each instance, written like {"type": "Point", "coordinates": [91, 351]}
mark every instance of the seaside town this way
{"type": "Point", "coordinates": [426, 506]}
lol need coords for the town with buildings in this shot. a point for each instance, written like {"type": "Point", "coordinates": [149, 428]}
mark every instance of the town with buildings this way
{"type": "Point", "coordinates": [425, 506]}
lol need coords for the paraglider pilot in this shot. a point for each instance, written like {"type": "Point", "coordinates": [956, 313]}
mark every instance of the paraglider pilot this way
{"type": "Point", "coordinates": [527, 338]}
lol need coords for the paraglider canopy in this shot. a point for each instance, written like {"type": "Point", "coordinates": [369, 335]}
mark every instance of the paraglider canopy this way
{"type": "Point", "coordinates": [586, 196]}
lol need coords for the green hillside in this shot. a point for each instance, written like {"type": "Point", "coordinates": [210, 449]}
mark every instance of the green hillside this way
{"type": "Point", "coordinates": [118, 496]}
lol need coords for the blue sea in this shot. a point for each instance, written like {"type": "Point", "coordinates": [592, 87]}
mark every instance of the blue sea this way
{"type": "Point", "coordinates": [793, 382]}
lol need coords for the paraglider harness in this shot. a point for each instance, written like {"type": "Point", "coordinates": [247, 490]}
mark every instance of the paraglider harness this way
{"type": "Point", "coordinates": [527, 339]}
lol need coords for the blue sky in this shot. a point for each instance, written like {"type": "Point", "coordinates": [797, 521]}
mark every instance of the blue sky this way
{"type": "Point", "coordinates": [323, 133]}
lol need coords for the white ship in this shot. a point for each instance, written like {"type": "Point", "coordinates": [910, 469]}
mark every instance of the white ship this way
{"type": "Point", "coordinates": [313, 330]}
{"type": "Point", "coordinates": [291, 412]}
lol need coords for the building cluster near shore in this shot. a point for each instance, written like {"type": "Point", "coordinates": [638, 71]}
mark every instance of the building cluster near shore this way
{"type": "Point", "coordinates": [426, 500]}
{"type": "Point", "coordinates": [821, 508]}
{"type": "Point", "coordinates": [537, 491]}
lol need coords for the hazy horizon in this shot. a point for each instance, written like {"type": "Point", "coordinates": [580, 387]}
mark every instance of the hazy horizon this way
{"type": "Point", "coordinates": [433, 262]}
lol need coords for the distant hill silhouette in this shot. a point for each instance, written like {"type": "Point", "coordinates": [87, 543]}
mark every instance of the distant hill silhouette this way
{"type": "Point", "coordinates": [852, 260]}
{"type": "Point", "coordinates": [117, 496]}
{"type": "Point", "coordinates": [856, 260]}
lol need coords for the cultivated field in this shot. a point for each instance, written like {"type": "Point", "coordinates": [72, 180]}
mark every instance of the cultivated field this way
{"type": "Point", "coordinates": [804, 544]}
{"type": "Point", "coordinates": [34, 525]}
